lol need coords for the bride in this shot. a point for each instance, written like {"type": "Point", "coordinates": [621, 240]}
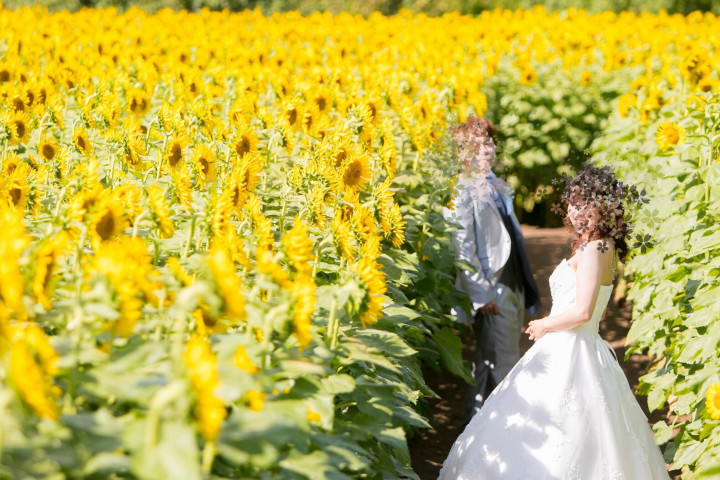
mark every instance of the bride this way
{"type": "Point", "coordinates": [566, 411]}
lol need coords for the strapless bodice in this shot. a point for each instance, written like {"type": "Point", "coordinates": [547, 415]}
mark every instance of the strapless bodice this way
{"type": "Point", "coordinates": [563, 289]}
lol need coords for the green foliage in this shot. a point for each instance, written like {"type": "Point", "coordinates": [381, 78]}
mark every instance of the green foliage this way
{"type": "Point", "coordinates": [674, 270]}
{"type": "Point", "coordinates": [546, 128]}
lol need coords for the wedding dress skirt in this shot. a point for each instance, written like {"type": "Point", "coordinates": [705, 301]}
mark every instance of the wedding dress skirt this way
{"type": "Point", "coordinates": [565, 411]}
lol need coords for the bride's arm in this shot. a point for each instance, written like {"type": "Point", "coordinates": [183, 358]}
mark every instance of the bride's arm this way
{"type": "Point", "coordinates": [590, 266]}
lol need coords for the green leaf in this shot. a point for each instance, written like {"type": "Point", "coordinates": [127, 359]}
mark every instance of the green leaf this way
{"type": "Point", "coordinates": [106, 463]}
{"type": "Point", "coordinates": [450, 348]}
{"type": "Point", "coordinates": [710, 471]}
{"type": "Point", "coordinates": [387, 342]}
{"type": "Point", "coordinates": [313, 466]}
{"type": "Point", "coordinates": [340, 383]}
{"type": "Point", "coordinates": [688, 452]}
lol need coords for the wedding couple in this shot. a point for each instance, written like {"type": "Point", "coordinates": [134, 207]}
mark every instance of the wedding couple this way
{"type": "Point", "coordinates": [564, 410]}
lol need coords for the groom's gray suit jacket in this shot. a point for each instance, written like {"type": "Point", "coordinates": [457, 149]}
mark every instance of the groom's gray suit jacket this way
{"type": "Point", "coordinates": [484, 241]}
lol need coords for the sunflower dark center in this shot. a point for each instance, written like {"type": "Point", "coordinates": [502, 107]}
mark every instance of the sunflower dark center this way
{"type": "Point", "coordinates": [20, 129]}
{"type": "Point", "coordinates": [48, 151]}
{"type": "Point", "coordinates": [175, 154]}
{"type": "Point", "coordinates": [204, 165]}
{"type": "Point", "coordinates": [292, 115]}
{"type": "Point", "coordinates": [352, 174]}
{"type": "Point", "coordinates": [242, 146]}
{"type": "Point", "coordinates": [340, 157]}
{"type": "Point", "coordinates": [106, 226]}
{"type": "Point", "coordinates": [15, 195]}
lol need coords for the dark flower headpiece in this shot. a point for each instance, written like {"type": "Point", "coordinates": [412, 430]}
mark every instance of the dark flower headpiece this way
{"type": "Point", "coordinates": [599, 189]}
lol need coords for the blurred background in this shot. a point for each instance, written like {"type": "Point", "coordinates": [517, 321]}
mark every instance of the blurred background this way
{"type": "Point", "coordinates": [387, 7]}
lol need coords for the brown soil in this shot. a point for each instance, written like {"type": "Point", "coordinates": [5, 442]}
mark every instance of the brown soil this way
{"type": "Point", "coordinates": [546, 248]}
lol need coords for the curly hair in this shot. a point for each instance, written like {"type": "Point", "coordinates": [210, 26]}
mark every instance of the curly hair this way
{"type": "Point", "coordinates": [600, 189]}
{"type": "Point", "coordinates": [475, 126]}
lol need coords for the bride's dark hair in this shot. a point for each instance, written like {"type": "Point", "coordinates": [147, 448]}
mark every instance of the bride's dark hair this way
{"type": "Point", "coordinates": [598, 188]}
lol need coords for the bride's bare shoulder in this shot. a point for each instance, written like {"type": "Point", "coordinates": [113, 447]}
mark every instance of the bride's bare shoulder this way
{"type": "Point", "coordinates": [597, 254]}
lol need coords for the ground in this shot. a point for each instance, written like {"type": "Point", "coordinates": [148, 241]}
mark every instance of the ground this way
{"type": "Point", "coordinates": [546, 248]}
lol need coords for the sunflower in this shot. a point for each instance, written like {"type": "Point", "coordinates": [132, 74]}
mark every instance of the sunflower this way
{"type": "Point", "coordinates": [284, 137]}
{"type": "Point", "coordinates": [712, 401]}
{"type": "Point", "coordinates": [10, 161]}
{"type": "Point", "coordinates": [33, 384]}
{"type": "Point", "coordinates": [303, 288]}
{"type": "Point", "coordinates": [47, 149]}
{"type": "Point", "coordinates": [181, 185]}
{"type": "Point", "coordinates": [528, 76]}
{"type": "Point", "coordinates": [373, 281]}
{"type": "Point", "coordinates": [132, 145]}
{"type": "Point", "coordinates": [82, 142]}
{"type": "Point", "coordinates": [160, 210]}
{"type": "Point", "coordinates": [342, 149]}
{"type": "Point", "coordinates": [108, 218]}
{"type": "Point", "coordinates": [243, 360]}
{"type": "Point", "coordinates": [299, 247]}
{"type": "Point", "coordinates": [310, 120]}
{"type": "Point", "coordinates": [20, 127]}
{"type": "Point", "coordinates": [244, 179]}
{"type": "Point", "coordinates": [397, 226]}
{"type": "Point", "coordinates": [174, 154]}
{"type": "Point", "coordinates": [227, 280]}
{"type": "Point", "coordinates": [342, 236]}
{"type": "Point", "coordinates": [12, 244]}
{"type": "Point", "coordinates": [360, 121]}
{"type": "Point", "coordinates": [262, 226]}
{"type": "Point", "coordinates": [626, 103]}
{"type": "Point", "coordinates": [322, 99]}
{"type": "Point", "coordinates": [291, 113]}
{"type": "Point", "coordinates": [202, 365]}
{"type": "Point", "coordinates": [373, 104]}
{"type": "Point", "coordinates": [17, 186]}
{"type": "Point", "coordinates": [206, 323]}
{"type": "Point", "coordinates": [43, 279]}
{"type": "Point", "coordinates": [18, 103]}
{"type": "Point", "coordinates": [130, 194]}
{"type": "Point", "coordinates": [586, 78]}
{"type": "Point", "coordinates": [205, 165]}
{"type": "Point", "coordinates": [670, 134]}
{"type": "Point", "coordinates": [356, 173]}
{"type": "Point", "coordinates": [383, 200]}
{"type": "Point", "coordinates": [245, 140]}
{"type": "Point", "coordinates": [6, 73]}
{"type": "Point", "coordinates": [316, 203]}
{"type": "Point", "coordinates": [138, 102]}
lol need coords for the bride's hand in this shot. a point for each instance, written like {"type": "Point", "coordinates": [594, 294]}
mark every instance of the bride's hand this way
{"type": "Point", "coordinates": [536, 329]}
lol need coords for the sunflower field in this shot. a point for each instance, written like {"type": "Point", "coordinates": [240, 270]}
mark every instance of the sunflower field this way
{"type": "Point", "coordinates": [223, 249]}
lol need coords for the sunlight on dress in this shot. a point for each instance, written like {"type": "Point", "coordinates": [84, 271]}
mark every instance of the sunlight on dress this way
{"type": "Point", "coordinates": [565, 411]}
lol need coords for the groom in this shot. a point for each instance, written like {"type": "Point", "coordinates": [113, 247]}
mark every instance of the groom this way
{"type": "Point", "coordinates": [490, 239]}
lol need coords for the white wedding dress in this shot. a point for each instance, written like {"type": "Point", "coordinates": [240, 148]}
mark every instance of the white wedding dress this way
{"type": "Point", "coordinates": [565, 411]}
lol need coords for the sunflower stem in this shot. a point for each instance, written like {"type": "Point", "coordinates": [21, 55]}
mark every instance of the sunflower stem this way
{"type": "Point", "coordinates": [208, 456]}
{"type": "Point", "coordinates": [282, 216]}
{"type": "Point", "coordinates": [112, 169]}
{"type": "Point", "coordinates": [137, 222]}
{"type": "Point", "coordinates": [191, 232]}
{"type": "Point", "coordinates": [56, 213]}
{"type": "Point", "coordinates": [267, 329]}
{"type": "Point", "coordinates": [156, 250]}
{"type": "Point", "coordinates": [333, 324]}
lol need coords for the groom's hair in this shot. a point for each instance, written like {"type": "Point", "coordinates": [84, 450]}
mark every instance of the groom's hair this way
{"type": "Point", "coordinates": [476, 127]}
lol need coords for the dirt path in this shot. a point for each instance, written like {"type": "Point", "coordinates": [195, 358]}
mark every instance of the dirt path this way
{"type": "Point", "coordinates": [546, 248]}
